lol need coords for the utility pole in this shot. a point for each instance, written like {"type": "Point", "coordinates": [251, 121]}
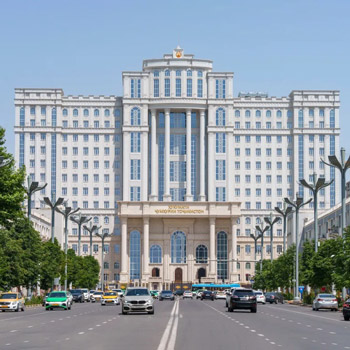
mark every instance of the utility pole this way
{"type": "Point", "coordinates": [33, 186]}
{"type": "Point", "coordinates": [262, 230]}
{"type": "Point", "coordinates": [102, 236]}
{"type": "Point", "coordinates": [271, 222]}
{"type": "Point", "coordinates": [53, 205]}
{"type": "Point", "coordinates": [285, 212]}
{"type": "Point", "coordinates": [80, 220]}
{"type": "Point", "coordinates": [91, 230]}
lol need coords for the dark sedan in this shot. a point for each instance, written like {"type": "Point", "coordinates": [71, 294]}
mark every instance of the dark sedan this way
{"type": "Point", "coordinates": [78, 295]}
{"type": "Point", "coordinates": [242, 299]}
{"type": "Point", "coordinates": [274, 297]}
{"type": "Point", "coordinates": [208, 294]}
{"type": "Point", "coordinates": [166, 295]}
{"type": "Point", "coordinates": [346, 310]}
{"type": "Point", "coordinates": [179, 293]}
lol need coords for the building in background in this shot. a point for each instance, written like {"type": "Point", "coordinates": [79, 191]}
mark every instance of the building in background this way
{"type": "Point", "coordinates": [178, 170]}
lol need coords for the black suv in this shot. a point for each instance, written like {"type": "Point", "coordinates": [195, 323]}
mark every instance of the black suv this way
{"type": "Point", "coordinates": [207, 294]}
{"type": "Point", "coordinates": [166, 294]}
{"type": "Point", "coordinates": [78, 295]}
{"type": "Point", "coordinates": [274, 297]}
{"type": "Point", "coordinates": [242, 299]}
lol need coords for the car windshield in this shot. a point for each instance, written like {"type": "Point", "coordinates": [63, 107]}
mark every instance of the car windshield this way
{"type": "Point", "coordinates": [258, 293]}
{"type": "Point", "coordinates": [110, 294]}
{"type": "Point", "coordinates": [134, 292]}
{"type": "Point", "coordinates": [8, 296]}
{"type": "Point", "coordinates": [167, 292]}
{"type": "Point", "coordinates": [76, 291]}
{"type": "Point", "coordinates": [98, 293]}
{"type": "Point", "coordinates": [84, 290]}
{"type": "Point", "coordinates": [326, 296]}
{"type": "Point", "coordinates": [268, 294]}
{"type": "Point", "coordinates": [57, 295]}
{"type": "Point", "coordinates": [242, 293]}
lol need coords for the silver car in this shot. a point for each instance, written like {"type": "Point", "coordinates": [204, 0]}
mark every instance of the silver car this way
{"type": "Point", "coordinates": [137, 299]}
{"type": "Point", "coordinates": [325, 301]}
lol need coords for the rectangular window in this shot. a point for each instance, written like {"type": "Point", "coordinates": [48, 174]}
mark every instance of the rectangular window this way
{"type": "Point", "coordinates": [135, 86]}
{"type": "Point", "coordinates": [135, 169]}
{"type": "Point", "coordinates": [220, 194]}
{"type": "Point", "coordinates": [220, 88]}
{"type": "Point", "coordinates": [135, 193]}
{"type": "Point", "coordinates": [220, 170]}
{"type": "Point", "coordinates": [135, 142]}
{"type": "Point", "coordinates": [189, 87]}
{"type": "Point", "coordinates": [167, 87]}
{"type": "Point", "coordinates": [200, 88]}
{"type": "Point", "coordinates": [178, 87]}
{"type": "Point", "coordinates": [220, 142]}
{"type": "Point", "coordinates": [177, 171]}
{"type": "Point", "coordinates": [156, 88]}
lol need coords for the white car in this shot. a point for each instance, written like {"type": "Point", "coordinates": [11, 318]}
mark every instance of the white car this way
{"type": "Point", "coordinates": [119, 292]}
{"type": "Point", "coordinates": [220, 294]}
{"type": "Point", "coordinates": [260, 297]}
{"type": "Point", "coordinates": [187, 294]}
{"type": "Point", "coordinates": [86, 294]}
{"type": "Point", "coordinates": [97, 296]}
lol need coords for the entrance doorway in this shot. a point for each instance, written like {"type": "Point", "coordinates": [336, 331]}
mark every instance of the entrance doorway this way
{"type": "Point", "coordinates": [155, 272]}
{"type": "Point", "coordinates": [201, 273]}
{"type": "Point", "coordinates": [178, 275]}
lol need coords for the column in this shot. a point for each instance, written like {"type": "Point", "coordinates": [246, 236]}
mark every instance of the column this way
{"type": "Point", "coordinates": [145, 249]}
{"type": "Point", "coordinates": [202, 157]}
{"type": "Point", "coordinates": [188, 196]}
{"type": "Point", "coordinates": [233, 277]}
{"type": "Point", "coordinates": [124, 253]}
{"type": "Point", "coordinates": [144, 166]}
{"type": "Point", "coordinates": [166, 196]}
{"type": "Point", "coordinates": [153, 196]}
{"type": "Point", "coordinates": [211, 167]}
{"type": "Point", "coordinates": [126, 165]}
{"type": "Point", "coordinates": [212, 261]}
{"type": "Point", "coordinates": [229, 167]}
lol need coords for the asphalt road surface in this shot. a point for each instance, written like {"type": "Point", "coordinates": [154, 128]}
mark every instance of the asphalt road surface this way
{"type": "Point", "coordinates": [181, 325]}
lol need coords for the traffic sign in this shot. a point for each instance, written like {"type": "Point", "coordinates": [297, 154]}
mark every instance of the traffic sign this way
{"type": "Point", "coordinates": [301, 289]}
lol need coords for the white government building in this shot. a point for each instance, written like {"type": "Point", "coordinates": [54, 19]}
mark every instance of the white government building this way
{"type": "Point", "coordinates": [177, 170]}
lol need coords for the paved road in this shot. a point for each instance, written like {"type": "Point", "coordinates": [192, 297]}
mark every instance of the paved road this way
{"type": "Point", "coordinates": [182, 325]}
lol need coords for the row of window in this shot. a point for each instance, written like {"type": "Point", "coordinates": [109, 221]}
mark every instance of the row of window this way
{"type": "Point", "coordinates": [85, 191]}
{"type": "Point", "coordinates": [268, 192]}
{"type": "Point", "coordinates": [248, 249]}
{"type": "Point", "coordinates": [178, 73]}
{"type": "Point", "coordinates": [85, 178]}
{"type": "Point", "coordinates": [95, 205]}
{"type": "Point", "coordinates": [178, 88]}
{"type": "Point", "coordinates": [96, 164]}
{"type": "Point", "coordinates": [96, 112]}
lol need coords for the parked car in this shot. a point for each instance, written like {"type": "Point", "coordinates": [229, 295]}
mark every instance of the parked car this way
{"type": "Point", "coordinates": [325, 301]}
{"type": "Point", "coordinates": [97, 296]}
{"type": "Point", "coordinates": [58, 300]}
{"type": "Point", "coordinates": [242, 298]}
{"type": "Point", "coordinates": [86, 294]}
{"type": "Point", "coordinates": [11, 301]}
{"type": "Point", "coordinates": [260, 297]}
{"type": "Point", "coordinates": [220, 294]}
{"type": "Point", "coordinates": [207, 294]}
{"type": "Point", "coordinates": [274, 297]}
{"type": "Point", "coordinates": [179, 292]}
{"type": "Point", "coordinates": [346, 310]}
{"type": "Point", "coordinates": [166, 295]}
{"type": "Point", "coordinates": [78, 296]}
{"type": "Point", "coordinates": [187, 294]}
{"type": "Point", "coordinates": [110, 298]}
{"type": "Point", "coordinates": [137, 299]}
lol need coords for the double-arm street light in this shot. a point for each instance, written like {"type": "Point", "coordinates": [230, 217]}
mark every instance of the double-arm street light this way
{"type": "Point", "coordinates": [102, 236]}
{"type": "Point", "coordinates": [284, 213]}
{"type": "Point", "coordinates": [297, 205]}
{"type": "Point", "coordinates": [80, 220]}
{"type": "Point", "coordinates": [66, 213]}
{"type": "Point", "coordinates": [314, 187]}
{"type": "Point", "coordinates": [262, 230]}
{"type": "Point", "coordinates": [33, 186]}
{"type": "Point", "coordinates": [91, 229]}
{"type": "Point", "coordinates": [255, 237]}
{"type": "Point", "coordinates": [342, 166]}
{"type": "Point", "coordinates": [271, 222]}
{"type": "Point", "coordinates": [53, 205]}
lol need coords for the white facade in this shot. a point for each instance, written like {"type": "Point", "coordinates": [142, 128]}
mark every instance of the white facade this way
{"type": "Point", "coordinates": [251, 149]}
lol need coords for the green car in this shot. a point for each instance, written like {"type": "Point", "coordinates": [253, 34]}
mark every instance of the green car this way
{"type": "Point", "coordinates": [154, 293]}
{"type": "Point", "coordinates": [59, 300]}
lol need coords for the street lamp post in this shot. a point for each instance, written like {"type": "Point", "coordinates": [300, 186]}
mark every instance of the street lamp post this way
{"type": "Point", "coordinates": [255, 237]}
{"type": "Point", "coordinates": [91, 230]}
{"type": "Point", "coordinates": [297, 205]}
{"type": "Point", "coordinates": [102, 236]}
{"type": "Point", "coordinates": [53, 205]}
{"type": "Point", "coordinates": [342, 166]}
{"type": "Point", "coordinates": [314, 187]}
{"type": "Point", "coordinates": [285, 212]}
{"type": "Point", "coordinates": [80, 220]}
{"type": "Point", "coordinates": [66, 213]}
{"type": "Point", "coordinates": [262, 230]}
{"type": "Point", "coordinates": [270, 222]}
{"type": "Point", "coordinates": [33, 186]}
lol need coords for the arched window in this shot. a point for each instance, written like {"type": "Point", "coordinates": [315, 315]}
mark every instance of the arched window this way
{"type": "Point", "coordinates": [221, 252]}
{"type": "Point", "coordinates": [332, 118]}
{"type": "Point", "coordinates": [106, 265]}
{"type": "Point", "coordinates": [65, 112]}
{"type": "Point", "coordinates": [258, 221]}
{"type": "Point", "coordinates": [237, 113]}
{"type": "Point", "coordinates": [106, 220]}
{"type": "Point", "coordinates": [279, 114]}
{"type": "Point", "coordinates": [86, 112]}
{"type": "Point", "coordinates": [96, 112]}
{"type": "Point", "coordinates": [167, 73]}
{"type": "Point", "coordinates": [268, 113]}
{"type": "Point", "coordinates": [75, 112]}
{"type": "Point", "coordinates": [116, 265]}
{"type": "Point", "coordinates": [238, 221]}
{"type": "Point", "coordinates": [156, 73]}
{"type": "Point", "coordinates": [135, 255]}
{"type": "Point", "coordinates": [311, 112]}
{"type": "Point", "coordinates": [155, 254]}
{"type": "Point", "coordinates": [178, 73]}
{"type": "Point", "coordinates": [96, 220]}
{"type": "Point", "coordinates": [189, 73]}
{"type": "Point", "coordinates": [200, 74]}
{"type": "Point", "coordinates": [258, 113]}
{"type": "Point", "coordinates": [107, 113]}
{"type": "Point", "coordinates": [247, 221]}
{"type": "Point", "coordinates": [155, 272]}
{"type": "Point", "coordinates": [201, 254]}
{"type": "Point", "coordinates": [21, 116]}
{"type": "Point", "coordinates": [220, 117]}
{"type": "Point", "coordinates": [247, 266]}
{"type": "Point", "coordinates": [178, 248]}
{"type": "Point", "coordinates": [135, 117]}
{"type": "Point", "coordinates": [247, 113]}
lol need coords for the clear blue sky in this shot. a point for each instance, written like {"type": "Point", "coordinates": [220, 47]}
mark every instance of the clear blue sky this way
{"type": "Point", "coordinates": [83, 46]}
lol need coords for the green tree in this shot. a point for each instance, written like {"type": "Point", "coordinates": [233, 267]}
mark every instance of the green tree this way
{"type": "Point", "coordinates": [88, 275]}
{"type": "Point", "coordinates": [306, 263]}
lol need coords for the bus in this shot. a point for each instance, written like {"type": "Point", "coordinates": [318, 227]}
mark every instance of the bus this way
{"type": "Point", "coordinates": [213, 286]}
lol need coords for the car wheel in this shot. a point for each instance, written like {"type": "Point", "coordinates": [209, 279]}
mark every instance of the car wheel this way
{"type": "Point", "coordinates": [47, 309]}
{"type": "Point", "coordinates": [226, 304]}
{"type": "Point", "coordinates": [22, 308]}
{"type": "Point", "coordinates": [276, 302]}
{"type": "Point", "coordinates": [346, 317]}
{"type": "Point", "coordinates": [230, 308]}
{"type": "Point", "coordinates": [124, 312]}
{"type": "Point", "coordinates": [3, 310]}
{"type": "Point", "coordinates": [253, 310]}
{"type": "Point", "coordinates": [263, 303]}
{"type": "Point", "coordinates": [270, 302]}
{"type": "Point", "coordinates": [151, 312]}
{"type": "Point", "coordinates": [16, 310]}
{"type": "Point", "coordinates": [316, 309]}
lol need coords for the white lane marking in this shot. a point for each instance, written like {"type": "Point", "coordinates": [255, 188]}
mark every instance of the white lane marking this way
{"type": "Point", "coordinates": [104, 322]}
{"type": "Point", "coordinates": [26, 341]}
{"type": "Point", "coordinates": [319, 329]}
{"type": "Point", "coordinates": [172, 339]}
{"type": "Point", "coordinates": [8, 344]}
{"type": "Point", "coordinates": [165, 336]}
{"type": "Point", "coordinates": [98, 325]}
{"type": "Point", "coordinates": [91, 329]}
{"type": "Point", "coordinates": [27, 315]}
{"type": "Point", "coordinates": [334, 344]}
{"type": "Point", "coordinates": [261, 335]}
{"type": "Point", "coordinates": [13, 331]}
{"type": "Point", "coordinates": [67, 338]}
{"type": "Point", "coordinates": [272, 342]}
{"type": "Point", "coordinates": [246, 327]}
{"type": "Point", "coordinates": [253, 330]}
{"type": "Point", "coordinates": [30, 327]}
{"type": "Point", "coordinates": [332, 333]}
{"type": "Point", "coordinates": [181, 316]}
{"type": "Point", "coordinates": [81, 333]}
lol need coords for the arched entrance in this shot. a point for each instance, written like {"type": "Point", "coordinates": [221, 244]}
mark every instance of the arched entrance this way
{"type": "Point", "coordinates": [178, 275]}
{"type": "Point", "coordinates": [155, 272]}
{"type": "Point", "coordinates": [201, 273]}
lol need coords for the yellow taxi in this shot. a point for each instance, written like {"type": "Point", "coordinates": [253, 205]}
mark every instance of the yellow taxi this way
{"type": "Point", "coordinates": [12, 301]}
{"type": "Point", "coordinates": [110, 298]}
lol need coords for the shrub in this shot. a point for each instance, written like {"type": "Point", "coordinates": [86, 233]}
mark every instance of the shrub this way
{"type": "Point", "coordinates": [35, 300]}
{"type": "Point", "coordinates": [308, 298]}
{"type": "Point", "coordinates": [288, 296]}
